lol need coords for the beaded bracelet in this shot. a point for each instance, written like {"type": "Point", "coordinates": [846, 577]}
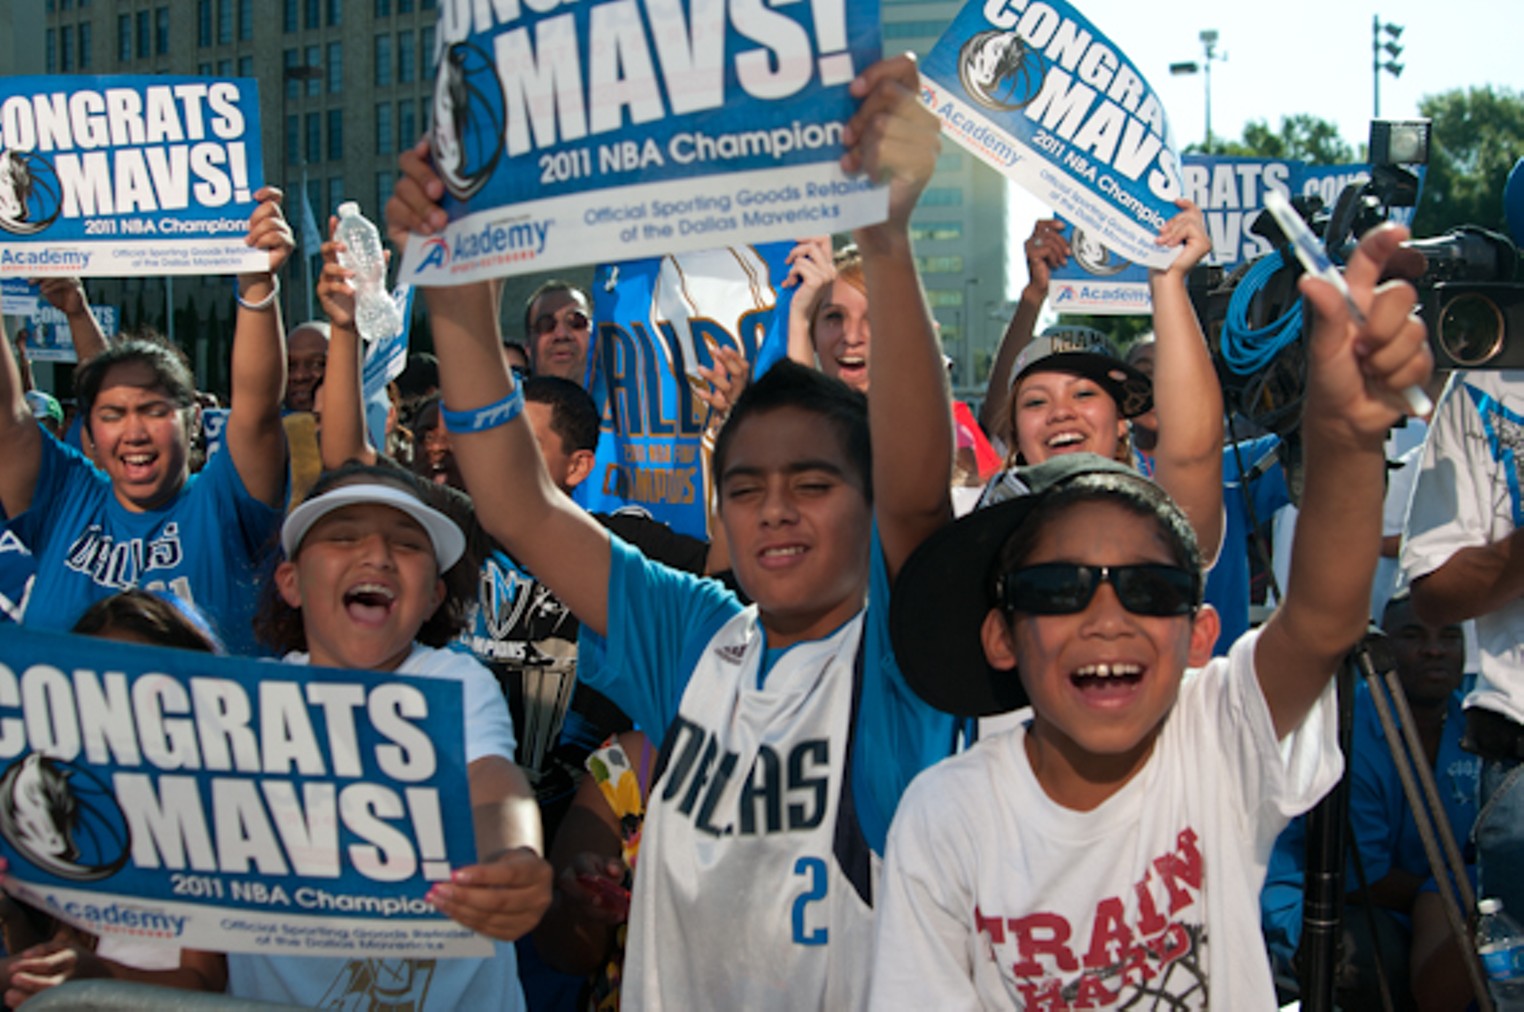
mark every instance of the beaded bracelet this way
{"type": "Point", "coordinates": [489, 417]}
{"type": "Point", "coordinates": [264, 303]}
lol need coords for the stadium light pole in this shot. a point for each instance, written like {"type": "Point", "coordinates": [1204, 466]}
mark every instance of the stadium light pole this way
{"type": "Point", "coordinates": [1392, 50]}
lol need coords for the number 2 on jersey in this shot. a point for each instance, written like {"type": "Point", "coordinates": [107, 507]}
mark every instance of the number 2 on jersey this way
{"type": "Point", "coordinates": [813, 870]}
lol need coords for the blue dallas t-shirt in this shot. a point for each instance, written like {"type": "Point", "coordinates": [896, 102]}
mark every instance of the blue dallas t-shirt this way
{"type": "Point", "coordinates": [210, 545]}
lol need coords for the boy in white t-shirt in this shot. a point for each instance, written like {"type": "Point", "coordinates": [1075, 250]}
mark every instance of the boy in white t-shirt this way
{"type": "Point", "coordinates": [1109, 850]}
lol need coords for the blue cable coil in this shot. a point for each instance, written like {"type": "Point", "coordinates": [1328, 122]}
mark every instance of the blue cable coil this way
{"type": "Point", "coordinates": [1247, 350]}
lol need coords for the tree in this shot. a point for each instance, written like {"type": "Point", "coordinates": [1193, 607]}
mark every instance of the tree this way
{"type": "Point", "coordinates": [1302, 137]}
{"type": "Point", "coordinates": [1478, 133]}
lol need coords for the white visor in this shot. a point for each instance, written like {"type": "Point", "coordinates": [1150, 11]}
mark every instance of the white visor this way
{"type": "Point", "coordinates": [449, 543]}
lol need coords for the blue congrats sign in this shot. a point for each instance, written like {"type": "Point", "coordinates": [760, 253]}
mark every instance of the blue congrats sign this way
{"type": "Point", "coordinates": [49, 338]}
{"type": "Point", "coordinates": [570, 133]}
{"type": "Point", "coordinates": [657, 320]}
{"type": "Point", "coordinates": [1035, 90]}
{"type": "Point", "coordinates": [128, 175]}
{"type": "Point", "coordinates": [1231, 195]}
{"type": "Point", "coordinates": [230, 804]}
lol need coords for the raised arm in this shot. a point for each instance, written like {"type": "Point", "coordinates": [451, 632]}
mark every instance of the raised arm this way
{"type": "Point", "coordinates": [255, 437]}
{"type": "Point", "coordinates": [515, 499]}
{"type": "Point", "coordinates": [67, 295]}
{"type": "Point", "coordinates": [810, 268]}
{"type": "Point", "coordinates": [19, 434]}
{"type": "Point", "coordinates": [893, 138]}
{"type": "Point", "coordinates": [1473, 582]}
{"type": "Point", "coordinates": [1046, 249]}
{"type": "Point", "coordinates": [1187, 396]}
{"type": "Point", "coordinates": [344, 436]}
{"type": "Point", "coordinates": [1354, 384]}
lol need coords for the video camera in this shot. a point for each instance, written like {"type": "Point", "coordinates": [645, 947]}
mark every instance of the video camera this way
{"type": "Point", "coordinates": [1468, 296]}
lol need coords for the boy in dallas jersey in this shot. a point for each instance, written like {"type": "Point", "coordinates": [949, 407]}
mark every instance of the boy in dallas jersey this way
{"type": "Point", "coordinates": [787, 732]}
{"type": "Point", "coordinates": [1108, 851]}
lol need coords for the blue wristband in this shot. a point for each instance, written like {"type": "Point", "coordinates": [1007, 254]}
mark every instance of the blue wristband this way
{"type": "Point", "coordinates": [489, 417]}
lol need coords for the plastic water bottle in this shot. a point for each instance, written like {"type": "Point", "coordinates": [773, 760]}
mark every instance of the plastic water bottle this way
{"type": "Point", "coordinates": [1500, 943]}
{"type": "Point", "coordinates": [376, 315]}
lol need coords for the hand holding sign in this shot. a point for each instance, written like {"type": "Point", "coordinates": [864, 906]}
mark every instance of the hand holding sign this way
{"type": "Point", "coordinates": [415, 202]}
{"type": "Point", "coordinates": [1046, 250]}
{"type": "Point", "coordinates": [892, 138]}
{"type": "Point", "coordinates": [268, 230]}
{"type": "Point", "coordinates": [1186, 230]}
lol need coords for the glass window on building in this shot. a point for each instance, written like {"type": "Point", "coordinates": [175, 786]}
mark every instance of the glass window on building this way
{"type": "Point", "coordinates": [290, 60]}
{"type": "Point", "coordinates": [335, 198]}
{"type": "Point", "coordinates": [940, 231]}
{"type": "Point", "coordinates": [407, 58]}
{"type": "Point", "coordinates": [426, 51]}
{"type": "Point", "coordinates": [314, 58]}
{"type": "Point", "coordinates": [245, 20]}
{"type": "Point", "coordinates": [942, 196]}
{"type": "Point", "coordinates": [145, 40]}
{"type": "Point", "coordinates": [384, 128]}
{"type": "Point", "coordinates": [383, 8]}
{"type": "Point", "coordinates": [86, 43]}
{"type": "Point", "coordinates": [293, 140]}
{"type": "Point", "coordinates": [224, 22]}
{"type": "Point", "coordinates": [314, 137]}
{"type": "Point", "coordinates": [288, 16]}
{"type": "Point", "coordinates": [385, 181]}
{"type": "Point", "coordinates": [335, 67]}
{"type": "Point", "coordinates": [930, 29]}
{"type": "Point", "coordinates": [383, 61]}
{"type": "Point", "coordinates": [50, 51]}
{"type": "Point", "coordinates": [161, 31]}
{"type": "Point", "coordinates": [335, 135]}
{"type": "Point", "coordinates": [335, 13]}
{"type": "Point", "coordinates": [66, 48]}
{"type": "Point", "coordinates": [203, 22]}
{"type": "Point", "coordinates": [312, 13]}
{"type": "Point", "coordinates": [941, 264]}
{"type": "Point", "coordinates": [246, 66]}
{"type": "Point", "coordinates": [407, 124]}
{"type": "Point", "coordinates": [225, 67]}
{"type": "Point", "coordinates": [124, 37]}
{"type": "Point", "coordinates": [936, 297]}
{"type": "Point", "coordinates": [204, 68]}
{"type": "Point", "coordinates": [404, 6]}
{"type": "Point", "coordinates": [428, 5]}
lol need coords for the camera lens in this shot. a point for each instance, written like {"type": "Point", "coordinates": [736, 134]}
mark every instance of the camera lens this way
{"type": "Point", "coordinates": [1471, 329]}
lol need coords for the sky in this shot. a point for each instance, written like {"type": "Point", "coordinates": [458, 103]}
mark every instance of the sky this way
{"type": "Point", "coordinates": [1310, 56]}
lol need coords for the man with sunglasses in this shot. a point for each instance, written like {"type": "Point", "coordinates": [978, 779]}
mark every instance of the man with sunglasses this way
{"type": "Point", "coordinates": [558, 324]}
{"type": "Point", "coordinates": [1109, 849]}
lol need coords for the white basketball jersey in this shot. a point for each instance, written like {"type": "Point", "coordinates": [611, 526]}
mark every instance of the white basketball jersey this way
{"type": "Point", "coordinates": [754, 883]}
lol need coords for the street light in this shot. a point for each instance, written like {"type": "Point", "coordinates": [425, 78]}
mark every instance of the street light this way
{"type": "Point", "coordinates": [304, 72]}
{"type": "Point", "coordinates": [1209, 56]}
{"type": "Point", "coordinates": [1391, 66]}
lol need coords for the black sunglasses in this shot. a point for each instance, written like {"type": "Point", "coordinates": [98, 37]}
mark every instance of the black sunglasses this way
{"type": "Point", "coordinates": [575, 320]}
{"type": "Point", "coordinates": [1063, 588]}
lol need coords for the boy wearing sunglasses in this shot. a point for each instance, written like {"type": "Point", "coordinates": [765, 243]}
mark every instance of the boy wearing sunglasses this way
{"type": "Point", "coordinates": [1108, 851]}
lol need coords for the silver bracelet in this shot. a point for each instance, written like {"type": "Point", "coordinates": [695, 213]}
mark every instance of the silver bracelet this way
{"type": "Point", "coordinates": [264, 303]}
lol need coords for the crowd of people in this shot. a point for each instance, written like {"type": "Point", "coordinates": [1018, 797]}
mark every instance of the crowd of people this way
{"type": "Point", "coordinates": [884, 739]}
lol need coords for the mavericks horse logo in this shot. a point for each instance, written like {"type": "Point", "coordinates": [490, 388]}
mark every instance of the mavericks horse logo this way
{"type": "Point", "coordinates": [999, 71]}
{"type": "Point", "coordinates": [469, 119]}
{"type": "Point", "coordinates": [29, 192]}
{"type": "Point", "coordinates": [62, 819]}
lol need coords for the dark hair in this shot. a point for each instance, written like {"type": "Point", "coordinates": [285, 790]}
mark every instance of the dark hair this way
{"type": "Point", "coordinates": [548, 288]}
{"type": "Point", "coordinates": [573, 412]}
{"type": "Point", "coordinates": [419, 376]}
{"type": "Point", "coordinates": [1137, 494]}
{"type": "Point", "coordinates": [161, 619]}
{"type": "Point", "coordinates": [791, 385]}
{"type": "Point", "coordinates": [171, 372]}
{"type": "Point", "coordinates": [279, 626]}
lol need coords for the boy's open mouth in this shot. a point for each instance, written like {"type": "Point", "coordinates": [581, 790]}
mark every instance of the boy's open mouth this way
{"type": "Point", "coordinates": [1115, 678]}
{"type": "Point", "coordinates": [369, 603]}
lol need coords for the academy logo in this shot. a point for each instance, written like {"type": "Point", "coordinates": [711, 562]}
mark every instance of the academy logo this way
{"type": "Point", "coordinates": [62, 819]}
{"type": "Point", "coordinates": [29, 192]}
{"type": "Point", "coordinates": [1094, 257]}
{"type": "Point", "coordinates": [1000, 71]}
{"type": "Point", "coordinates": [436, 254]}
{"type": "Point", "coordinates": [469, 119]}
